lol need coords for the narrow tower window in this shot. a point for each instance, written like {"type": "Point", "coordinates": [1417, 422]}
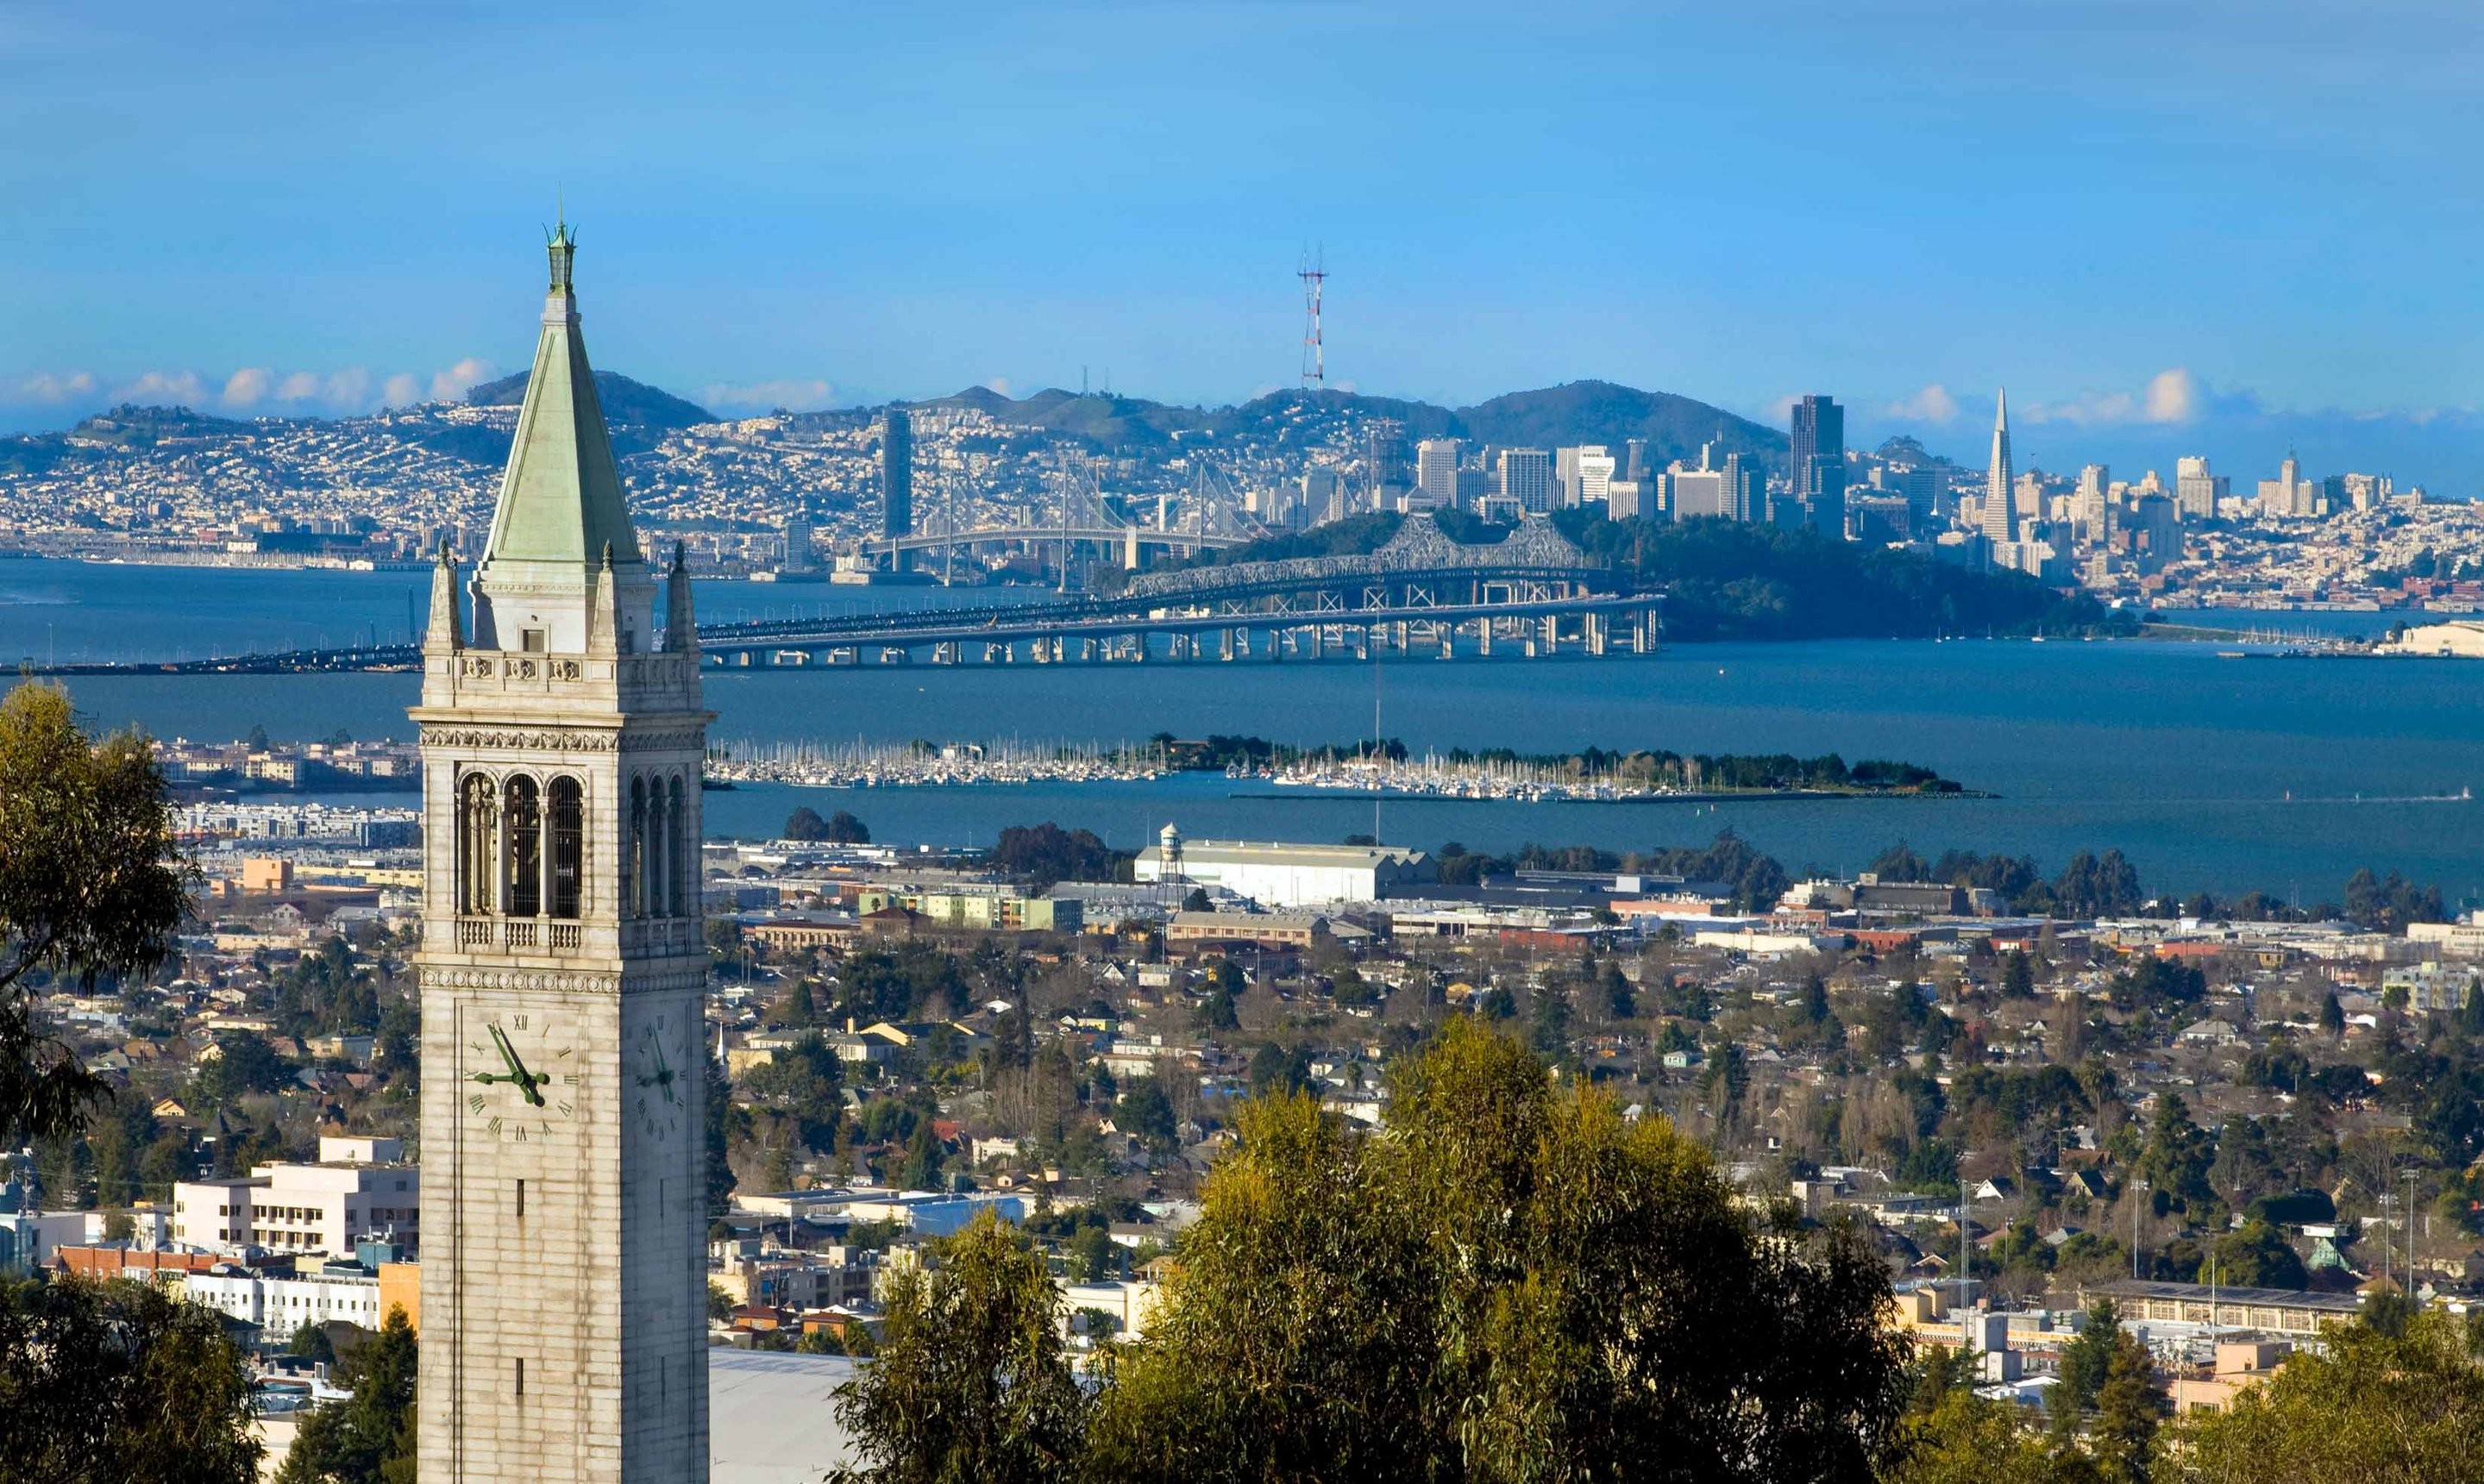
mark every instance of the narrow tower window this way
{"type": "Point", "coordinates": [525, 854]}
{"type": "Point", "coordinates": [568, 845]}
{"type": "Point", "coordinates": [478, 847]}
{"type": "Point", "coordinates": [633, 859]}
{"type": "Point", "coordinates": [680, 877]}
{"type": "Point", "coordinates": [655, 863]}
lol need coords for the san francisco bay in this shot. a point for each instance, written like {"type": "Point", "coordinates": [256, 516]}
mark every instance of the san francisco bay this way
{"type": "Point", "coordinates": [2211, 773]}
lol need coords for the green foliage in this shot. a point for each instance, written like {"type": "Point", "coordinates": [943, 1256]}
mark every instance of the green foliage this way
{"type": "Point", "coordinates": [1512, 1283]}
{"type": "Point", "coordinates": [1093, 1255]}
{"type": "Point", "coordinates": [368, 1438]}
{"type": "Point", "coordinates": [117, 1384]}
{"type": "Point", "coordinates": [244, 1064]}
{"type": "Point", "coordinates": [2255, 1256]}
{"type": "Point", "coordinates": [1146, 1112]}
{"type": "Point", "coordinates": [2372, 1407]}
{"type": "Point", "coordinates": [839, 828]}
{"type": "Point", "coordinates": [1046, 854]}
{"type": "Point", "coordinates": [2387, 903]}
{"type": "Point", "coordinates": [806, 1081]}
{"type": "Point", "coordinates": [91, 883]}
{"type": "Point", "coordinates": [909, 980]}
{"type": "Point", "coordinates": [2130, 1406]}
{"type": "Point", "coordinates": [2154, 984]}
{"type": "Point", "coordinates": [2176, 1161]}
{"type": "Point", "coordinates": [1737, 579]}
{"type": "Point", "coordinates": [970, 1385]}
{"type": "Point", "coordinates": [311, 1341]}
{"type": "Point", "coordinates": [1963, 1439]}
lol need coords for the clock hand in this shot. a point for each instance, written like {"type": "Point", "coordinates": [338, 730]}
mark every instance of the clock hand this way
{"type": "Point", "coordinates": [525, 1081]}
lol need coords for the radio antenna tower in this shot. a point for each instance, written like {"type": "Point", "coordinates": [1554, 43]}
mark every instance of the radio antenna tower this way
{"type": "Point", "coordinates": [1315, 274]}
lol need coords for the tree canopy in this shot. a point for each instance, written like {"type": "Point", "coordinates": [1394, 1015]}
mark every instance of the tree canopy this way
{"type": "Point", "coordinates": [118, 1384]}
{"type": "Point", "coordinates": [369, 1437]}
{"type": "Point", "coordinates": [90, 885]}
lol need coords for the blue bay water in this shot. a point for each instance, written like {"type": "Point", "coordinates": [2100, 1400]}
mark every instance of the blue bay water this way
{"type": "Point", "coordinates": [2281, 774]}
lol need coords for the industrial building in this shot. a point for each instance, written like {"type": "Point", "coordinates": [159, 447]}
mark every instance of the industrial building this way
{"type": "Point", "coordinates": [1276, 875]}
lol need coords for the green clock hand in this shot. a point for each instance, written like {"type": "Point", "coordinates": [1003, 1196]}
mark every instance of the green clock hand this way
{"type": "Point", "coordinates": [525, 1081]}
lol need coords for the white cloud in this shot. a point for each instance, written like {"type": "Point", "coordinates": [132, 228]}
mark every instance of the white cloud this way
{"type": "Point", "coordinates": [456, 382]}
{"type": "Point", "coordinates": [347, 390]}
{"type": "Point", "coordinates": [49, 387]}
{"type": "Point", "coordinates": [247, 387]}
{"type": "Point", "coordinates": [792, 393]}
{"type": "Point", "coordinates": [158, 387]}
{"type": "Point", "coordinates": [1932, 404]}
{"type": "Point", "coordinates": [2175, 395]}
{"type": "Point", "coordinates": [403, 389]}
{"type": "Point", "coordinates": [2169, 396]}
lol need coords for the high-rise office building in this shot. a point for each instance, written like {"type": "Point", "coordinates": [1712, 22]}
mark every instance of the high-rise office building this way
{"type": "Point", "coordinates": [1634, 464]}
{"type": "Point", "coordinates": [1436, 470]}
{"type": "Point", "coordinates": [1385, 463]}
{"type": "Point", "coordinates": [1816, 466]}
{"type": "Point", "coordinates": [2196, 491]}
{"type": "Point", "coordinates": [897, 481]}
{"type": "Point", "coordinates": [1999, 521]}
{"type": "Point", "coordinates": [1731, 489]}
{"type": "Point", "coordinates": [2289, 494]}
{"type": "Point", "coordinates": [1580, 474]}
{"type": "Point", "coordinates": [563, 977]}
{"type": "Point", "coordinates": [1525, 478]}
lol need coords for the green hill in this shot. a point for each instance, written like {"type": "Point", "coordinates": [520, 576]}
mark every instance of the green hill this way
{"type": "Point", "coordinates": [1579, 412]}
{"type": "Point", "coordinates": [629, 402]}
{"type": "Point", "coordinates": [1599, 411]}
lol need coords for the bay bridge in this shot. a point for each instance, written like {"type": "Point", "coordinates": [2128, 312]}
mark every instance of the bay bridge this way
{"type": "Point", "coordinates": [1420, 596]}
{"type": "Point", "coordinates": [1083, 522]}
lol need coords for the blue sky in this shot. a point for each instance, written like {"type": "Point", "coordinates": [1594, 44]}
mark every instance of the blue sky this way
{"type": "Point", "coordinates": [2165, 228]}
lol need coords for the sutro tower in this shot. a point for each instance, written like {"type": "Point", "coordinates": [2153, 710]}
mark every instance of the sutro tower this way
{"type": "Point", "coordinates": [1314, 273]}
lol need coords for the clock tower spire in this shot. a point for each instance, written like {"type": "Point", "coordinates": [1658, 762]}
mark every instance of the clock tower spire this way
{"type": "Point", "coordinates": [564, 1310]}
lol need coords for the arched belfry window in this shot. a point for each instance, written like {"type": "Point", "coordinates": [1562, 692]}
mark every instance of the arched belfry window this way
{"type": "Point", "coordinates": [654, 890]}
{"type": "Point", "coordinates": [522, 856]}
{"type": "Point", "coordinates": [634, 853]}
{"type": "Point", "coordinates": [568, 845]}
{"type": "Point", "coordinates": [478, 846]}
{"type": "Point", "coordinates": [680, 878]}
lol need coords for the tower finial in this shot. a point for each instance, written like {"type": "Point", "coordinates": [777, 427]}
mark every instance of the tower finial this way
{"type": "Point", "coordinates": [561, 243]}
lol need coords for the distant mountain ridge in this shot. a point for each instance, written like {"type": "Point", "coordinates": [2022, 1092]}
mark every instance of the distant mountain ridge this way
{"type": "Point", "coordinates": [625, 401]}
{"type": "Point", "coordinates": [1579, 412]}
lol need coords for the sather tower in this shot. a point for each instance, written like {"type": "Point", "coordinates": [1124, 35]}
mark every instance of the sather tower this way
{"type": "Point", "coordinates": [564, 1310]}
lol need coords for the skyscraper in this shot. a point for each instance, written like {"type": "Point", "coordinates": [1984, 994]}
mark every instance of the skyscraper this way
{"type": "Point", "coordinates": [2196, 490]}
{"type": "Point", "coordinates": [1581, 474]}
{"type": "Point", "coordinates": [1818, 462]}
{"type": "Point", "coordinates": [896, 482]}
{"type": "Point", "coordinates": [1436, 470]}
{"type": "Point", "coordinates": [1634, 464]}
{"type": "Point", "coordinates": [1998, 480]}
{"type": "Point", "coordinates": [563, 974]}
{"type": "Point", "coordinates": [1526, 479]}
{"type": "Point", "coordinates": [1384, 464]}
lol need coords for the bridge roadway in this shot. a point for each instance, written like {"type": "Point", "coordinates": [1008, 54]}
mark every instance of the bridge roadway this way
{"type": "Point", "coordinates": [1114, 536]}
{"type": "Point", "coordinates": [1582, 624]}
{"type": "Point", "coordinates": [1443, 602]}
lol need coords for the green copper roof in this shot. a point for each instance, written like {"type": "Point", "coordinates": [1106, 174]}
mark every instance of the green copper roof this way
{"type": "Point", "coordinates": [560, 497]}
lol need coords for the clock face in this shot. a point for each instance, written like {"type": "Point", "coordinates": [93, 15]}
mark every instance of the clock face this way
{"type": "Point", "coordinates": [520, 1076]}
{"type": "Point", "coordinates": [662, 1075]}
